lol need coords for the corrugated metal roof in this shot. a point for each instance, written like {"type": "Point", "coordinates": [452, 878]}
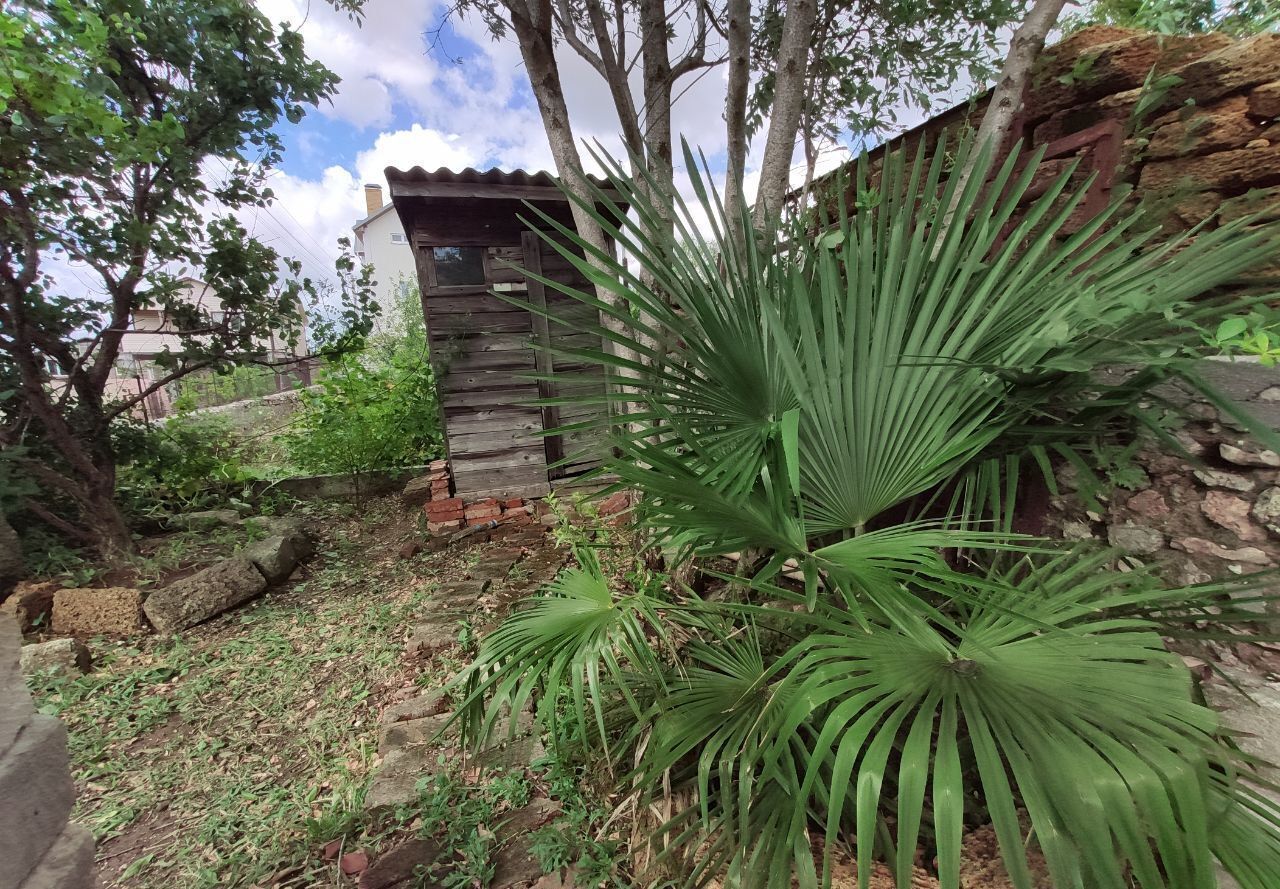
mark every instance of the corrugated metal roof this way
{"type": "Point", "coordinates": [472, 176]}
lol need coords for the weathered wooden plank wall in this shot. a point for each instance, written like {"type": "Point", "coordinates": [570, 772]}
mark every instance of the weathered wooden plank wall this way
{"type": "Point", "coordinates": [482, 351]}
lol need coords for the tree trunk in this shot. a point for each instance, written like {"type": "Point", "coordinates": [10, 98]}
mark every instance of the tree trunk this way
{"type": "Point", "coordinates": [532, 26]}
{"type": "Point", "coordinates": [1028, 40]}
{"type": "Point", "coordinates": [788, 102]}
{"type": "Point", "coordinates": [735, 114]}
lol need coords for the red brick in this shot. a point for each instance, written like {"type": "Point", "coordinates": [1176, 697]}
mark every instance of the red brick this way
{"type": "Point", "coordinates": [513, 503]}
{"type": "Point", "coordinates": [440, 527]}
{"type": "Point", "coordinates": [517, 517]}
{"type": "Point", "coordinates": [615, 504]}
{"type": "Point", "coordinates": [483, 520]}
{"type": "Point", "coordinates": [438, 475]}
{"type": "Point", "coordinates": [483, 512]}
{"type": "Point", "coordinates": [438, 464]}
{"type": "Point", "coordinates": [453, 504]}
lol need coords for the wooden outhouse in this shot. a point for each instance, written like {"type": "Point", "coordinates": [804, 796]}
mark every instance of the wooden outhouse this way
{"type": "Point", "coordinates": [468, 241]}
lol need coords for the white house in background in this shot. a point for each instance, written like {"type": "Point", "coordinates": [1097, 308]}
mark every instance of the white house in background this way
{"type": "Point", "coordinates": [151, 332]}
{"type": "Point", "coordinates": [380, 241]}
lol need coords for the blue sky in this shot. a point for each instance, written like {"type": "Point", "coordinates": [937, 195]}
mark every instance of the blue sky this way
{"type": "Point", "coordinates": [465, 102]}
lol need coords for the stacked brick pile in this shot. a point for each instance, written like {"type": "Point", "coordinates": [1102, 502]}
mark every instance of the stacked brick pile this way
{"type": "Point", "coordinates": [446, 514]}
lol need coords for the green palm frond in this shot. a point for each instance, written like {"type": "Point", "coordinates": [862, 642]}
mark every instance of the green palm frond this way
{"type": "Point", "coordinates": [573, 639]}
{"type": "Point", "coordinates": [860, 401]}
{"type": "Point", "coordinates": [911, 351]}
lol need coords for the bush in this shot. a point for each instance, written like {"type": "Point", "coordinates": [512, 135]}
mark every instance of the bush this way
{"type": "Point", "coordinates": [184, 463]}
{"type": "Point", "coordinates": [861, 405]}
{"type": "Point", "coordinates": [368, 417]}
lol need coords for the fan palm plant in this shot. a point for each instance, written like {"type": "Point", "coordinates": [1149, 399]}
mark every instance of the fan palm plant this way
{"type": "Point", "coordinates": [858, 402]}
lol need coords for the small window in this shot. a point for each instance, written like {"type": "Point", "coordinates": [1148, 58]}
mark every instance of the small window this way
{"type": "Point", "coordinates": [398, 238]}
{"type": "Point", "coordinates": [458, 266]}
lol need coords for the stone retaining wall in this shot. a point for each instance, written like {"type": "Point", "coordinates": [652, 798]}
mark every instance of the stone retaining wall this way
{"type": "Point", "coordinates": [39, 847]}
{"type": "Point", "coordinates": [1189, 123]}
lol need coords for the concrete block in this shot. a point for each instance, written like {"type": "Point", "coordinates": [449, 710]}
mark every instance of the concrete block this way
{"type": "Point", "coordinates": [16, 709]}
{"type": "Point", "coordinates": [68, 864]}
{"type": "Point", "coordinates": [36, 787]}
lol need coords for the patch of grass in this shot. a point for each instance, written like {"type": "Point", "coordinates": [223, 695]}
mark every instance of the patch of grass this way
{"type": "Point", "coordinates": [226, 757]}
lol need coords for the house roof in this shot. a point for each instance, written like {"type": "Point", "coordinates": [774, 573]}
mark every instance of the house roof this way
{"type": "Point", "coordinates": [372, 216]}
{"type": "Point", "coordinates": [491, 183]}
{"type": "Point", "coordinates": [483, 208]}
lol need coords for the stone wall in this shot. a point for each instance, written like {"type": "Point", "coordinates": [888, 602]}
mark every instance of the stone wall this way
{"type": "Point", "coordinates": [1189, 123]}
{"type": "Point", "coordinates": [39, 847]}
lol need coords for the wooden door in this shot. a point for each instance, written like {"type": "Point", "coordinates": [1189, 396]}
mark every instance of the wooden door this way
{"type": "Point", "coordinates": [481, 354]}
{"type": "Point", "coordinates": [575, 451]}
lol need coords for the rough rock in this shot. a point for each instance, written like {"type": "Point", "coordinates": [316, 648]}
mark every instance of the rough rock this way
{"type": "Point", "coordinates": [411, 732]}
{"type": "Point", "coordinates": [1242, 454]}
{"type": "Point", "coordinates": [68, 864]}
{"type": "Point", "coordinates": [12, 565]}
{"type": "Point", "coordinates": [58, 655]}
{"type": "Point", "coordinates": [205, 520]}
{"type": "Point", "coordinates": [1235, 170]}
{"type": "Point", "coordinates": [1231, 512]}
{"type": "Point", "coordinates": [403, 866]}
{"type": "Point", "coordinates": [1135, 538]}
{"type": "Point", "coordinates": [1263, 204]}
{"type": "Point", "coordinates": [396, 783]}
{"type": "Point", "coordinates": [1237, 65]}
{"type": "Point", "coordinates": [1073, 530]}
{"type": "Point", "coordinates": [1109, 68]}
{"type": "Point", "coordinates": [205, 594]}
{"type": "Point", "coordinates": [1264, 101]}
{"type": "Point", "coordinates": [38, 793]}
{"type": "Point", "coordinates": [111, 611]}
{"type": "Point", "coordinates": [428, 640]}
{"type": "Point", "coordinates": [30, 604]}
{"type": "Point", "coordinates": [16, 707]}
{"type": "Point", "coordinates": [1217, 478]}
{"type": "Point", "coordinates": [433, 703]}
{"type": "Point", "coordinates": [1193, 574]}
{"type": "Point", "coordinates": [409, 549]}
{"type": "Point", "coordinates": [1258, 719]}
{"type": "Point", "coordinates": [276, 556]}
{"type": "Point", "coordinates": [1266, 509]}
{"type": "Point", "coordinates": [513, 863]}
{"type": "Point", "coordinates": [1198, 546]}
{"type": "Point", "coordinates": [1149, 504]}
{"type": "Point", "coordinates": [1219, 127]}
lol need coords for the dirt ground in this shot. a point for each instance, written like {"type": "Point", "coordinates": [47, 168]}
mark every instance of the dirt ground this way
{"type": "Point", "coordinates": [232, 754]}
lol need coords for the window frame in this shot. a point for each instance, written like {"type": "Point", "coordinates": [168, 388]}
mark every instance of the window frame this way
{"type": "Point", "coordinates": [433, 280]}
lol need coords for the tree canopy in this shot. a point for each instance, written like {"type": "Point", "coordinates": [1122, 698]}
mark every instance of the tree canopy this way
{"type": "Point", "coordinates": [131, 133]}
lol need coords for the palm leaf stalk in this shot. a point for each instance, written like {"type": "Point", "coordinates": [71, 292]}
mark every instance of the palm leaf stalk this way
{"type": "Point", "coordinates": [861, 401]}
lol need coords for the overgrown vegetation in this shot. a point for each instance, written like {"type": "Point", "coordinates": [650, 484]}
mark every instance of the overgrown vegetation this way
{"type": "Point", "coordinates": [114, 115]}
{"type": "Point", "coordinates": [233, 754]}
{"type": "Point", "coordinates": [857, 410]}
{"type": "Point", "coordinates": [374, 410]}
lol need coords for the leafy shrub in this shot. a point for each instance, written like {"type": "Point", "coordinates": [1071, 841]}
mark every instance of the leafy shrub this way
{"type": "Point", "coordinates": [366, 418]}
{"type": "Point", "coordinates": [187, 462]}
{"type": "Point", "coordinates": [861, 404]}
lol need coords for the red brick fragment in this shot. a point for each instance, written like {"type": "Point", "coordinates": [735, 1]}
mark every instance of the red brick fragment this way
{"type": "Point", "coordinates": [513, 503]}
{"type": "Point", "coordinates": [452, 504]}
